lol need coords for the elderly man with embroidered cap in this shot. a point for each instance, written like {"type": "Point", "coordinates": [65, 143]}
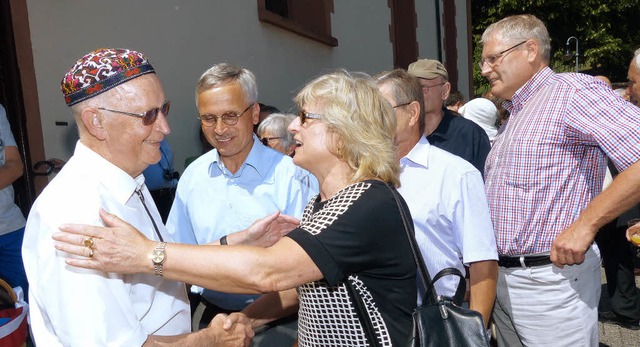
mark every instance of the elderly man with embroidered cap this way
{"type": "Point", "coordinates": [443, 128]}
{"type": "Point", "coordinates": [120, 109]}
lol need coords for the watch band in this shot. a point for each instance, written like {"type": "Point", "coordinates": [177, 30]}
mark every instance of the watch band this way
{"type": "Point", "coordinates": [223, 240]}
{"type": "Point", "coordinates": [158, 257]}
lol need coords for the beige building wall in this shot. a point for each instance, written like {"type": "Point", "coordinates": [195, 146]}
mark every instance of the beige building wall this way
{"type": "Point", "coordinates": [183, 38]}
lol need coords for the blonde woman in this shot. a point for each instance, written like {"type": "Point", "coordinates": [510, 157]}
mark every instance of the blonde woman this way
{"type": "Point", "coordinates": [351, 232]}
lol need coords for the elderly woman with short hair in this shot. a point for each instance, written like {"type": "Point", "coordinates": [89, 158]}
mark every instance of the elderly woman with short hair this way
{"type": "Point", "coordinates": [352, 232]}
{"type": "Point", "coordinates": [273, 133]}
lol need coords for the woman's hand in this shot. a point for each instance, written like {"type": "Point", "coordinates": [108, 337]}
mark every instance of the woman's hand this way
{"type": "Point", "coordinates": [118, 247]}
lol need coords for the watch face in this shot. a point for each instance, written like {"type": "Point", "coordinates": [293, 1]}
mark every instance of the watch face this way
{"type": "Point", "coordinates": [157, 257]}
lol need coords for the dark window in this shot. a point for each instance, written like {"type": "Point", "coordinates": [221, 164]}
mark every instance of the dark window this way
{"type": "Point", "coordinates": [309, 18]}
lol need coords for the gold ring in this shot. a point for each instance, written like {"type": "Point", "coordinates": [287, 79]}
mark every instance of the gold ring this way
{"type": "Point", "coordinates": [90, 253]}
{"type": "Point", "coordinates": [88, 242]}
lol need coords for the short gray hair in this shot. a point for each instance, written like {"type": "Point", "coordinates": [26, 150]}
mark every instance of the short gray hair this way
{"type": "Point", "coordinates": [405, 88]}
{"type": "Point", "coordinates": [224, 73]}
{"type": "Point", "coordinates": [277, 124]}
{"type": "Point", "coordinates": [636, 58]}
{"type": "Point", "coordinates": [518, 28]}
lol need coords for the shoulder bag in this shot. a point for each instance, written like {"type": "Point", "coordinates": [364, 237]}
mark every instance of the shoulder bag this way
{"type": "Point", "coordinates": [439, 320]}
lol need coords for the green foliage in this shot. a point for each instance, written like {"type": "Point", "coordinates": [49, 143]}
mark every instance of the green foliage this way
{"type": "Point", "coordinates": [608, 32]}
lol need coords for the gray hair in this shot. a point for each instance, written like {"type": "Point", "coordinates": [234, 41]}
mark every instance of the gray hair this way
{"type": "Point", "coordinates": [636, 58]}
{"type": "Point", "coordinates": [518, 28]}
{"type": "Point", "coordinates": [277, 124]}
{"type": "Point", "coordinates": [405, 88]}
{"type": "Point", "coordinates": [224, 73]}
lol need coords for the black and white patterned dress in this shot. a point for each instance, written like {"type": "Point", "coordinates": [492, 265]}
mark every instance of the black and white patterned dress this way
{"type": "Point", "coordinates": [356, 235]}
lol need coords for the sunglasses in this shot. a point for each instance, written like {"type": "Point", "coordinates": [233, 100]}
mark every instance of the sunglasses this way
{"type": "Point", "coordinates": [148, 117]}
{"type": "Point", "coordinates": [265, 140]}
{"type": "Point", "coordinates": [303, 115]}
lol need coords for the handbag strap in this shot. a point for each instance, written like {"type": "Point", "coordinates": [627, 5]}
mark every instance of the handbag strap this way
{"type": "Point", "coordinates": [363, 316]}
{"type": "Point", "coordinates": [458, 297]}
{"type": "Point", "coordinates": [427, 283]}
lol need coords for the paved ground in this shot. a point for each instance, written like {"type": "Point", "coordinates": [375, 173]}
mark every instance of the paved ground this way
{"type": "Point", "coordinates": [612, 335]}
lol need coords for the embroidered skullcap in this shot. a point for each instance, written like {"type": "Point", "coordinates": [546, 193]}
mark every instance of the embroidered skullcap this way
{"type": "Point", "coordinates": [101, 70]}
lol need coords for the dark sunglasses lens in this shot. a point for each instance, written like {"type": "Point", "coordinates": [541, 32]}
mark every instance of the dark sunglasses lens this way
{"type": "Point", "coordinates": [265, 141]}
{"type": "Point", "coordinates": [151, 115]}
{"type": "Point", "coordinates": [302, 117]}
{"type": "Point", "coordinates": [165, 108]}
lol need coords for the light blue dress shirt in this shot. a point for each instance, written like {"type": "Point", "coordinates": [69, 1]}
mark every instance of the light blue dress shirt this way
{"type": "Point", "coordinates": [211, 202]}
{"type": "Point", "coordinates": [446, 197]}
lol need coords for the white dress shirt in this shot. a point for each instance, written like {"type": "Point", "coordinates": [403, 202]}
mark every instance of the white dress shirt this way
{"type": "Point", "coordinates": [78, 307]}
{"type": "Point", "coordinates": [445, 195]}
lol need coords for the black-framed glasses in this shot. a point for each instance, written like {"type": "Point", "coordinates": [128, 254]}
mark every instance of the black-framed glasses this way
{"type": "Point", "coordinates": [229, 118]}
{"type": "Point", "coordinates": [148, 117]}
{"type": "Point", "coordinates": [304, 115]}
{"type": "Point", "coordinates": [265, 140]}
{"type": "Point", "coordinates": [400, 105]}
{"type": "Point", "coordinates": [492, 60]}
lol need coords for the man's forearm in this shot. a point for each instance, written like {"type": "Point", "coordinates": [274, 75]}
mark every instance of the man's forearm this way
{"type": "Point", "coordinates": [272, 306]}
{"type": "Point", "coordinates": [622, 194]}
{"type": "Point", "coordinates": [214, 335]}
{"type": "Point", "coordinates": [483, 276]}
{"type": "Point", "coordinates": [12, 168]}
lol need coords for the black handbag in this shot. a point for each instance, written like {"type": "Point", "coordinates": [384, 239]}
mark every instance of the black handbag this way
{"type": "Point", "coordinates": [439, 320]}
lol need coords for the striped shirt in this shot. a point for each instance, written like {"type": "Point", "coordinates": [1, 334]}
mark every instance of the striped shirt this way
{"type": "Point", "coordinates": [548, 161]}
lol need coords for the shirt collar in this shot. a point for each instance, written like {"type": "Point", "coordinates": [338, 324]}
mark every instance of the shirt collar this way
{"type": "Point", "coordinates": [419, 154]}
{"type": "Point", "coordinates": [443, 127]}
{"type": "Point", "coordinates": [119, 183]}
{"type": "Point", "coordinates": [527, 90]}
{"type": "Point", "coordinates": [254, 161]}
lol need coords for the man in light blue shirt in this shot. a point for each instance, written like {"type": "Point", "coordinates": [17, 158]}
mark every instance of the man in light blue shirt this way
{"type": "Point", "coordinates": [241, 180]}
{"type": "Point", "coordinates": [445, 195]}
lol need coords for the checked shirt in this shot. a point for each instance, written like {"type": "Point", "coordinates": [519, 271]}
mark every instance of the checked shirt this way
{"type": "Point", "coordinates": [548, 161]}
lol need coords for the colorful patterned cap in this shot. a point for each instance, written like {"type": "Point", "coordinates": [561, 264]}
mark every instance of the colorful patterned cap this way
{"type": "Point", "coordinates": [101, 70]}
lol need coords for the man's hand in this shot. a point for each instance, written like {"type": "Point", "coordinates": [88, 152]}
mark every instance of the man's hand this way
{"type": "Point", "coordinates": [570, 245]}
{"type": "Point", "coordinates": [267, 231]}
{"type": "Point", "coordinates": [633, 234]}
{"type": "Point", "coordinates": [236, 318]}
{"type": "Point", "coordinates": [225, 332]}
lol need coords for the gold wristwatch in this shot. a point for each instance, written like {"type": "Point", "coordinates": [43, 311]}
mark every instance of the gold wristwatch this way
{"type": "Point", "coordinates": [158, 256]}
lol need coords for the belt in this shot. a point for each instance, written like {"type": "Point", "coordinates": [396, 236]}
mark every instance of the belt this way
{"type": "Point", "coordinates": [523, 261]}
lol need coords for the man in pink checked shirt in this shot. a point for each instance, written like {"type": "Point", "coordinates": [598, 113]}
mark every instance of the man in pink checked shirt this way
{"type": "Point", "coordinates": [543, 179]}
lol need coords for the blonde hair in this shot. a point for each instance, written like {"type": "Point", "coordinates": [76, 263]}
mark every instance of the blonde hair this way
{"type": "Point", "coordinates": [361, 120]}
{"type": "Point", "coordinates": [514, 29]}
